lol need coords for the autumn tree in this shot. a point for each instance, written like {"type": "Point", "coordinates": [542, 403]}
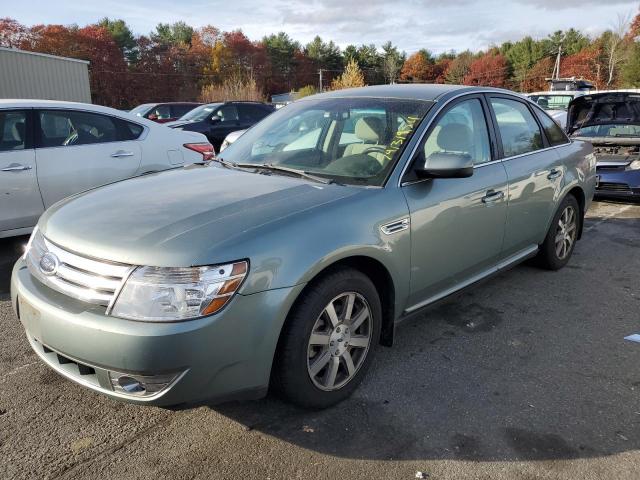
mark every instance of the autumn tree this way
{"type": "Point", "coordinates": [417, 69]}
{"type": "Point", "coordinates": [459, 68]}
{"type": "Point", "coordinates": [12, 33]}
{"type": "Point", "coordinates": [488, 70]}
{"type": "Point", "coordinates": [350, 78]}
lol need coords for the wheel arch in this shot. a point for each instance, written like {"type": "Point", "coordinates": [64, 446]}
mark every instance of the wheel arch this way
{"type": "Point", "coordinates": [578, 194]}
{"type": "Point", "coordinates": [381, 278]}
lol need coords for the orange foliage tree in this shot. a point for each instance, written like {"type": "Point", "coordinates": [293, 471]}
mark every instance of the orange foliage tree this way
{"type": "Point", "coordinates": [489, 70]}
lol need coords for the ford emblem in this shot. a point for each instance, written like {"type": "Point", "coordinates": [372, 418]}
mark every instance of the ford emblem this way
{"type": "Point", "coordinates": [49, 264]}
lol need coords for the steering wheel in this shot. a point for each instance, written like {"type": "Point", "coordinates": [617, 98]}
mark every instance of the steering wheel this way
{"type": "Point", "coordinates": [374, 149]}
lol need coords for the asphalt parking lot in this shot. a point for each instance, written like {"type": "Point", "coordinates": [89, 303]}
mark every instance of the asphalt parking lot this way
{"type": "Point", "coordinates": [526, 376]}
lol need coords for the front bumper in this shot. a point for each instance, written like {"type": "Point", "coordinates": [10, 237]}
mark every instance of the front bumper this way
{"type": "Point", "coordinates": [618, 183]}
{"type": "Point", "coordinates": [216, 358]}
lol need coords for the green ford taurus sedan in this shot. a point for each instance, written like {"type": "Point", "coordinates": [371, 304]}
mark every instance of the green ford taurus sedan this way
{"type": "Point", "coordinates": [285, 264]}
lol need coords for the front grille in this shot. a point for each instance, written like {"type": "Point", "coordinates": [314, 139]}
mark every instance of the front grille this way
{"type": "Point", "coordinates": [90, 280]}
{"type": "Point", "coordinates": [614, 187]}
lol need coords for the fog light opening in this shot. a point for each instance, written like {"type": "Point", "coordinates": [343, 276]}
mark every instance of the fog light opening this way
{"type": "Point", "coordinates": [141, 385]}
{"type": "Point", "coordinates": [130, 384]}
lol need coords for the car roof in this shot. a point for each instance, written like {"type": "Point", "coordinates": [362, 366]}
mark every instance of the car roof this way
{"type": "Point", "coordinates": [29, 103]}
{"type": "Point", "coordinates": [413, 91]}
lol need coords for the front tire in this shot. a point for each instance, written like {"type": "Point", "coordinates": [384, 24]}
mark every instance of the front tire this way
{"type": "Point", "coordinates": [328, 340]}
{"type": "Point", "coordinates": [561, 238]}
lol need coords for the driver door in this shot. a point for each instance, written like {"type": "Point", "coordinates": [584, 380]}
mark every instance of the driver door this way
{"type": "Point", "coordinates": [78, 150]}
{"type": "Point", "coordinates": [457, 224]}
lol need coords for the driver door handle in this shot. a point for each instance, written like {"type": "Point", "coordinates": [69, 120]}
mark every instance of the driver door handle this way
{"type": "Point", "coordinates": [16, 168]}
{"type": "Point", "coordinates": [492, 196]}
{"type": "Point", "coordinates": [122, 153]}
{"type": "Point", "coordinates": [554, 173]}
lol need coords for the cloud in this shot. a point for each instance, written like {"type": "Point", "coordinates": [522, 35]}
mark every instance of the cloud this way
{"type": "Point", "coordinates": [409, 24]}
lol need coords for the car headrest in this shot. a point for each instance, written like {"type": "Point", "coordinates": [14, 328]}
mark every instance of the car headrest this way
{"type": "Point", "coordinates": [543, 102]}
{"type": "Point", "coordinates": [19, 131]}
{"type": "Point", "coordinates": [455, 137]}
{"type": "Point", "coordinates": [369, 129]}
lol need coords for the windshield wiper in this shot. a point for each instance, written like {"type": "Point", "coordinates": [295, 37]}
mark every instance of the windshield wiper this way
{"type": "Point", "coordinates": [278, 168]}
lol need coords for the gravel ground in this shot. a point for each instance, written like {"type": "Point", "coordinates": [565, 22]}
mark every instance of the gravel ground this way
{"type": "Point", "coordinates": [526, 376]}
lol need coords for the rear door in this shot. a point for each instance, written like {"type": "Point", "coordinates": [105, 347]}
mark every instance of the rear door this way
{"type": "Point", "coordinates": [80, 150]}
{"type": "Point", "coordinates": [20, 204]}
{"type": "Point", "coordinates": [534, 170]}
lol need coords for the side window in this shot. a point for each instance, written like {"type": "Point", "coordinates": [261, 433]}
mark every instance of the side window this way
{"type": "Point", "coordinates": [128, 130]}
{"type": "Point", "coordinates": [552, 130]}
{"type": "Point", "coordinates": [62, 128]}
{"type": "Point", "coordinates": [161, 112]}
{"type": "Point", "coordinates": [252, 113]}
{"type": "Point", "coordinates": [461, 130]}
{"type": "Point", "coordinates": [519, 131]}
{"type": "Point", "coordinates": [13, 131]}
{"type": "Point", "coordinates": [227, 113]}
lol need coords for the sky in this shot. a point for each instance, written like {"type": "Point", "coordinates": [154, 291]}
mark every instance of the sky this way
{"type": "Point", "coordinates": [438, 25]}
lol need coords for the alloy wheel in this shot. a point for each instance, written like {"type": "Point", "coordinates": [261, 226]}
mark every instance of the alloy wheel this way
{"type": "Point", "coordinates": [566, 232]}
{"type": "Point", "coordinates": [339, 341]}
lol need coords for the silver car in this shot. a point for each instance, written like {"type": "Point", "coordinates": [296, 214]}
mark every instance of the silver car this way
{"type": "Point", "coordinates": [286, 264]}
{"type": "Point", "coordinates": [50, 150]}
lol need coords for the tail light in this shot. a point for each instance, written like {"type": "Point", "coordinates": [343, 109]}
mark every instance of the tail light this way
{"type": "Point", "coordinates": [206, 149]}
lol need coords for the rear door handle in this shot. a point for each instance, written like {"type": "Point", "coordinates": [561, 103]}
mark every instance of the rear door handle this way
{"type": "Point", "coordinates": [492, 196]}
{"type": "Point", "coordinates": [553, 174]}
{"type": "Point", "coordinates": [122, 153]}
{"type": "Point", "coordinates": [16, 168]}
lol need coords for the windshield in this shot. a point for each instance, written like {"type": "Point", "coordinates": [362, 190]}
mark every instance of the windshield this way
{"type": "Point", "coordinates": [609, 130]}
{"type": "Point", "coordinates": [552, 102]}
{"type": "Point", "coordinates": [349, 140]}
{"type": "Point", "coordinates": [141, 109]}
{"type": "Point", "coordinates": [201, 113]}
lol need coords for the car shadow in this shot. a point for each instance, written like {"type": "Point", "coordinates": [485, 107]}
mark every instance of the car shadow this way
{"type": "Point", "coordinates": [530, 365]}
{"type": "Point", "coordinates": [10, 250]}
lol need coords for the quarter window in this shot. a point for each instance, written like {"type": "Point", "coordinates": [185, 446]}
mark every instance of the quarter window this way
{"type": "Point", "coordinates": [69, 128]}
{"type": "Point", "coordinates": [13, 131]}
{"type": "Point", "coordinates": [519, 131]}
{"type": "Point", "coordinates": [554, 133]}
{"type": "Point", "coordinates": [461, 130]}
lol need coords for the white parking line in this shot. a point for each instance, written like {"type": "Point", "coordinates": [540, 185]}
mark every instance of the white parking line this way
{"type": "Point", "coordinates": [607, 217]}
{"type": "Point", "coordinates": [17, 370]}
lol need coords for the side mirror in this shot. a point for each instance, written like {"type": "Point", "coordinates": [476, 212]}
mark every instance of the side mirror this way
{"type": "Point", "coordinates": [445, 165]}
{"type": "Point", "coordinates": [215, 119]}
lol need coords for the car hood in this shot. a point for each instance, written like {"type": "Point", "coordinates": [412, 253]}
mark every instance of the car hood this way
{"type": "Point", "coordinates": [180, 217]}
{"type": "Point", "coordinates": [603, 108]}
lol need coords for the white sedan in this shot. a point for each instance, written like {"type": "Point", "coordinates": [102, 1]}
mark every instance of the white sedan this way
{"type": "Point", "coordinates": [50, 150]}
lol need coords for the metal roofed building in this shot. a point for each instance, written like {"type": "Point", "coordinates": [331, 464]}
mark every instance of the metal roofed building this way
{"type": "Point", "coordinates": [31, 75]}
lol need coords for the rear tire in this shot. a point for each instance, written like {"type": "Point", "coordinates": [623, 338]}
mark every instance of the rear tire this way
{"type": "Point", "coordinates": [561, 238]}
{"type": "Point", "coordinates": [328, 340]}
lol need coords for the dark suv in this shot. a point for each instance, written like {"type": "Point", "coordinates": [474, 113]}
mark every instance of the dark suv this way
{"type": "Point", "coordinates": [164, 112]}
{"type": "Point", "coordinates": [217, 120]}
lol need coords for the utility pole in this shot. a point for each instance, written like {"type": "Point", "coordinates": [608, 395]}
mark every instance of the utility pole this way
{"type": "Point", "coordinates": [320, 82]}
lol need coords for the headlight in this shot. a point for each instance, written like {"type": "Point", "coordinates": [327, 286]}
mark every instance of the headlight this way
{"type": "Point", "coordinates": [158, 294]}
{"type": "Point", "coordinates": [635, 165]}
